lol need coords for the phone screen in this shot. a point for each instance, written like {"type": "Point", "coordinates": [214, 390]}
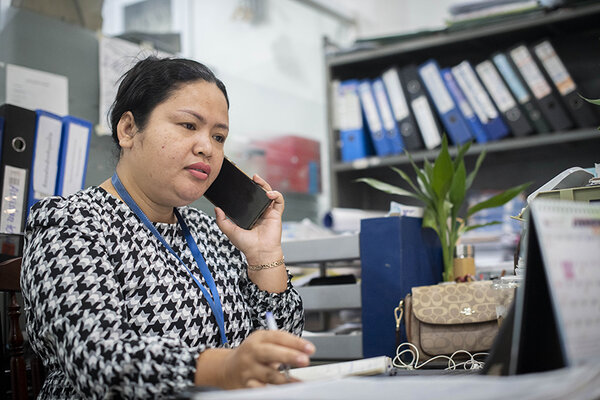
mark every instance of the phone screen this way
{"type": "Point", "coordinates": [242, 199]}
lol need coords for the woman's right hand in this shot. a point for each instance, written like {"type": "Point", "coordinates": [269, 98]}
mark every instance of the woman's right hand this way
{"type": "Point", "coordinates": [255, 362]}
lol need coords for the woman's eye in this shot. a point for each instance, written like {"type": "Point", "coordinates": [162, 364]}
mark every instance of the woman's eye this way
{"type": "Point", "coordinates": [189, 126]}
{"type": "Point", "coordinates": [219, 138]}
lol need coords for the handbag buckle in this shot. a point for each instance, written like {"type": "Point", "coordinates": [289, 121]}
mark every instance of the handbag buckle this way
{"type": "Point", "coordinates": [467, 311]}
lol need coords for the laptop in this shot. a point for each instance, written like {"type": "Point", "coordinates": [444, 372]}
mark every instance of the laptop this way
{"type": "Point", "coordinates": [554, 321]}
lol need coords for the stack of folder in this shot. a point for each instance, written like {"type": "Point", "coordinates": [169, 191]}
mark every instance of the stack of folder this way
{"type": "Point", "coordinates": [523, 90]}
{"type": "Point", "coordinates": [42, 155]}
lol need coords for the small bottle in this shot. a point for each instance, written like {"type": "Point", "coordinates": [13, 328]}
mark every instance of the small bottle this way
{"type": "Point", "coordinates": [464, 261]}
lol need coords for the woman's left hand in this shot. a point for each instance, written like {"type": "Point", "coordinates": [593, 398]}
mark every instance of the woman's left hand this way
{"type": "Point", "coordinates": [262, 243]}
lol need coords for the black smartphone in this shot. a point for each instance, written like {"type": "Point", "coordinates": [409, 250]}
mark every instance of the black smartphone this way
{"type": "Point", "coordinates": [242, 199]}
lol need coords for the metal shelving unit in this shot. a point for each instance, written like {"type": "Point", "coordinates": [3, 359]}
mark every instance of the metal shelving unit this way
{"type": "Point", "coordinates": [328, 298]}
{"type": "Point", "coordinates": [573, 31]}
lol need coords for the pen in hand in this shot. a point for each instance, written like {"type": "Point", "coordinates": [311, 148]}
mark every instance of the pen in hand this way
{"type": "Point", "coordinates": [272, 326]}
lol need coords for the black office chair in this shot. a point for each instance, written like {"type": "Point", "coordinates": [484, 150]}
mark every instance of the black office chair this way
{"type": "Point", "coordinates": [22, 364]}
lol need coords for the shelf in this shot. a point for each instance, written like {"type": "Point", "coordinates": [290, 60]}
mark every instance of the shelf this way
{"type": "Point", "coordinates": [330, 297]}
{"type": "Point", "coordinates": [491, 147]}
{"type": "Point", "coordinates": [336, 347]}
{"type": "Point", "coordinates": [455, 36]}
{"type": "Point", "coordinates": [338, 248]}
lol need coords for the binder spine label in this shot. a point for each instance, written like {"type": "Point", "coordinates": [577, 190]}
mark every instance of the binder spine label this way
{"type": "Point", "coordinates": [384, 107]}
{"type": "Point", "coordinates": [511, 78]}
{"type": "Point", "coordinates": [370, 108]}
{"type": "Point", "coordinates": [437, 89]}
{"type": "Point", "coordinates": [348, 107]}
{"type": "Point", "coordinates": [480, 93]}
{"type": "Point", "coordinates": [45, 166]}
{"type": "Point", "coordinates": [75, 160]}
{"type": "Point", "coordinates": [424, 117]}
{"type": "Point", "coordinates": [555, 68]}
{"type": "Point", "coordinates": [531, 73]}
{"type": "Point", "coordinates": [461, 79]}
{"type": "Point", "coordinates": [495, 87]}
{"type": "Point", "coordinates": [461, 101]}
{"type": "Point", "coordinates": [394, 89]}
{"type": "Point", "coordinates": [13, 199]}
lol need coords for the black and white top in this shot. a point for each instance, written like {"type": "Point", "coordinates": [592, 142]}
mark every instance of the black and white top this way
{"type": "Point", "coordinates": [112, 313]}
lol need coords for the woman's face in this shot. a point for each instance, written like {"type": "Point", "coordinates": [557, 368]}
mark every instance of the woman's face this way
{"type": "Point", "coordinates": [180, 151]}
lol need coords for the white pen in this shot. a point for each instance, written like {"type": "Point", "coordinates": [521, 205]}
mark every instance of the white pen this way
{"type": "Point", "coordinates": [272, 326]}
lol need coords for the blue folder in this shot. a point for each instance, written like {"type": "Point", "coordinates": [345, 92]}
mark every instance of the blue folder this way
{"type": "Point", "coordinates": [353, 138]}
{"type": "Point", "coordinates": [74, 150]}
{"type": "Point", "coordinates": [381, 143]}
{"type": "Point", "coordinates": [46, 152]}
{"type": "Point", "coordinates": [478, 97]}
{"type": "Point", "coordinates": [464, 106]}
{"type": "Point", "coordinates": [452, 118]}
{"type": "Point", "coordinates": [396, 254]}
{"type": "Point", "coordinates": [390, 127]}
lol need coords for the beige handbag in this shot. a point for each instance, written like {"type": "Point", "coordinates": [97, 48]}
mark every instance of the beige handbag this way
{"type": "Point", "coordinates": [441, 319]}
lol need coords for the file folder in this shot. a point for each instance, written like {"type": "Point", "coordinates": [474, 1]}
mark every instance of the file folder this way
{"type": "Point", "coordinates": [404, 117]}
{"type": "Point", "coordinates": [387, 118]}
{"type": "Point", "coordinates": [76, 135]}
{"type": "Point", "coordinates": [522, 95]}
{"type": "Point", "coordinates": [381, 143]}
{"type": "Point", "coordinates": [548, 102]}
{"type": "Point", "coordinates": [354, 142]}
{"type": "Point", "coordinates": [463, 105]}
{"type": "Point", "coordinates": [449, 113]}
{"type": "Point", "coordinates": [396, 254]}
{"type": "Point", "coordinates": [17, 156]}
{"type": "Point", "coordinates": [579, 109]}
{"type": "Point", "coordinates": [507, 105]}
{"type": "Point", "coordinates": [480, 101]}
{"type": "Point", "coordinates": [431, 131]}
{"type": "Point", "coordinates": [44, 169]}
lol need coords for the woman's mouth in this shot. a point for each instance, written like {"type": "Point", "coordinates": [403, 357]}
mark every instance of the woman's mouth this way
{"type": "Point", "coordinates": [199, 170]}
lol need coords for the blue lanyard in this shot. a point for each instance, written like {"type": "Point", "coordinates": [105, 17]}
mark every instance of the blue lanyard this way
{"type": "Point", "coordinates": [214, 302]}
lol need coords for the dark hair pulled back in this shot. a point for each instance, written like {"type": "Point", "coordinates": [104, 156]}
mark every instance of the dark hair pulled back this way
{"type": "Point", "coordinates": [150, 82]}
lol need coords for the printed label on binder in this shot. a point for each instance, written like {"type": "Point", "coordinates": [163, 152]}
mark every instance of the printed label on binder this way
{"type": "Point", "coordinates": [397, 99]}
{"type": "Point", "coordinates": [555, 68]}
{"type": "Point", "coordinates": [531, 73]}
{"type": "Point", "coordinates": [495, 86]}
{"type": "Point", "coordinates": [13, 199]}
{"type": "Point", "coordinates": [437, 89]}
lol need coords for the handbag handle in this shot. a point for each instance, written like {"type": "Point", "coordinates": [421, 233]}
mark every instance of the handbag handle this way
{"type": "Point", "coordinates": [398, 313]}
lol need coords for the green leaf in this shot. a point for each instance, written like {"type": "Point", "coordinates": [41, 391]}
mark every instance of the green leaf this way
{"type": "Point", "coordinates": [462, 150]}
{"type": "Point", "coordinates": [442, 171]}
{"type": "Point", "coordinates": [423, 180]}
{"type": "Point", "coordinates": [499, 199]}
{"type": "Point", "coordinates": [471, 227]}
{"type": "Point", "coordinates": [404, 176]}
{"type": "Point", "coordinates": [593, 101]}
{"type": "Point", "coordinates": [457, 189]}
{"type": "Point", "coordinates": [386, 187]}
{"type": "Point", "coordinates": [473, 174]}
{"type": "Point", "coordinates": [430, 221]}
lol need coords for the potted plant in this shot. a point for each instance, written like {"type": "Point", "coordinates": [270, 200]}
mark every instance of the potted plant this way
{"type": "Point", "coordinates": [442, 188]}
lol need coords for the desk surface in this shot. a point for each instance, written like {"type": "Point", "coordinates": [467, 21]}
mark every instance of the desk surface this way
{"type": "Point", "coordinates": [568, 383]}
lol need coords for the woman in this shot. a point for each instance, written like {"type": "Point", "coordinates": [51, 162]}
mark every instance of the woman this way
{"type": "Point", "coordinates": [130, 293]}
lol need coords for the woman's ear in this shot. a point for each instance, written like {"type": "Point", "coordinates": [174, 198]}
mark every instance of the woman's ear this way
{"type": "Point", "coordinates": [126, 130]}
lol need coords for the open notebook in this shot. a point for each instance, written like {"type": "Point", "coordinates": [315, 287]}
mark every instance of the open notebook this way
{"type": "Point", "coordinates": [555, 321]}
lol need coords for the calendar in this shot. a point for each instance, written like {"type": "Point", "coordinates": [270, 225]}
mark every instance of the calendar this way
{"type": "Point", "coordinates": [569, 239]}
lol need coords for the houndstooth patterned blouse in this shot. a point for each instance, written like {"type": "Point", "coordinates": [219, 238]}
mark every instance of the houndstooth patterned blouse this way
{"type": "Point", "coordinates": [113, 314]}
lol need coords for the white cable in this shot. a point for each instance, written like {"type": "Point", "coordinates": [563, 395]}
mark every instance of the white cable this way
{"type": "Point", "coordinates": [470, 363]}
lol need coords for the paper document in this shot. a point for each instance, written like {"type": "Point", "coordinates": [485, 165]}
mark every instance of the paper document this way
{"type": "Point", "coordinates": [367, 366]}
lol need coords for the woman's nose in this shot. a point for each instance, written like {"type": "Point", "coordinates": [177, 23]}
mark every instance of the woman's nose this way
{"type": "Point", "coordinates": [202, 144]}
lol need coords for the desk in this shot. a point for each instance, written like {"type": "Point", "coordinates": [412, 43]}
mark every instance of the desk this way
{"type": "Point", "coordinates": [568, 383]}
